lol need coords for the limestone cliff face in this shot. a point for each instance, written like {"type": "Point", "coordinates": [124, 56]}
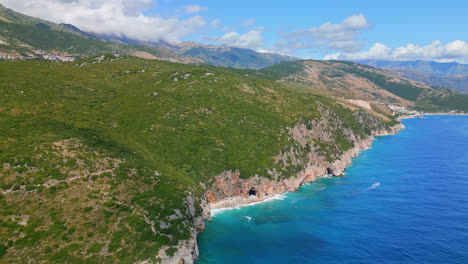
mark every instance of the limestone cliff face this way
{"type": "Point", "coordinates": [316, 151]}
{"type": "Point", "coordinates": [324, 146]}
{"type": "Point", "coordinates": [188, 250]}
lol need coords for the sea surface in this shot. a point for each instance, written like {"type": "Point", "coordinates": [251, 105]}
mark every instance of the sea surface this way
{"type": "Point", "coordinates": [405, 200]}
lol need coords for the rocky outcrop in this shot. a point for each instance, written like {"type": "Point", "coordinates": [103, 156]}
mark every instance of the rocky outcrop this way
{"type": "Point", "coordinates": [187, 251]}
{"type": "Point", "coordinates": [230, 189]}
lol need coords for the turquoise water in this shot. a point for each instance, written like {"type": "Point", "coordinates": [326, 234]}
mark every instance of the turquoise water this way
{"type": "Point", "coordinates": [405, 200]}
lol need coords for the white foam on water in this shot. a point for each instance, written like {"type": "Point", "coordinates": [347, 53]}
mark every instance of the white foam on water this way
{"type": "Point", "coordinates": [215, 212]}
{"type": "Point", "coordinates": [374, 186]}
{"type": "Point", "coordinates": [296, 200]}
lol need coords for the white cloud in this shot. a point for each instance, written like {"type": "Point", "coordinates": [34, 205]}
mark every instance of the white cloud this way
{"type": "Point", "coordinates": [123, 18]}
{"type": "Point", "coordinates": [343, 36]}
{"type": "Point", "coordinates": [252, 39]}
{"type": "Point", "coordinates": [192, 9]}
{"type": "Point", "coordinates": [453, 51]}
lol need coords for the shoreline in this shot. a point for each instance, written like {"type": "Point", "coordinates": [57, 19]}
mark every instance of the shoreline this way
{"type": "Point", "coordinates": [237, 202]}
{"type": "Point", "coordinates": [436, 113]}
{"type": "Point", "coordinates": [280, 188]}
{"type": "Point", "coordinates": [267, 189]}
{"type": "Point", "coordinates": [430, 114]}
{"type": "Point", "coordinates": [216, 211]}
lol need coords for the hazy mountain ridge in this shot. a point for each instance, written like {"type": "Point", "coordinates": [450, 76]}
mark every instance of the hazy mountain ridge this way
{"type": "Point", "coordinates": [230, 56]}
{"type": "Point", "coordinates": [442, 69]}
{"type": "Point", "coordinates": [458, 82]}
{"type": "Point", "coordinates": [451, 74]}
{"type": "Point", "coordinates": [25, 37]}
{"type": "Point", "coordinates": [361, 82]}
{"type": "Point", "coordinates": [185, 52]}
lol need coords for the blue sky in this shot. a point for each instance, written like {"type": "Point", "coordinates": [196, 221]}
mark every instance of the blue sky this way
{"type": "Point", "coordinates": [394, 22]}
{"type": "Point", "coordinates": [396, 30]}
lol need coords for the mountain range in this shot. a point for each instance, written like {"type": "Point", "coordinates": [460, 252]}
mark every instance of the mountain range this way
{"type": "Point", "coordinates": [449, 74]}
{"type": "Point", "coordinates": [25, 37]}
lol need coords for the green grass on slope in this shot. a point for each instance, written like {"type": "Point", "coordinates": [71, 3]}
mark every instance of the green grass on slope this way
{"type": "Point", "coordinates": [46, 39]}
{"type": "Point", "coordinates": [458, 102]}
{"type": "Point", "coordinates": [91, 155]}
{"type": "Point", "coordinates": [284, 69]}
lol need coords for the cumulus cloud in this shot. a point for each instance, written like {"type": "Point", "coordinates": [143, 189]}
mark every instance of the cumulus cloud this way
{"type": "Point", "coordinates": [192, 9]}
{"type": "Point", "coordinates": [453, 51]}
{"type": "Point", "coordinates": [122, 18]}
{"type": "Point", "coordinates": [252, 39]}
{"type": "Point", "coordinates": [344, 36]}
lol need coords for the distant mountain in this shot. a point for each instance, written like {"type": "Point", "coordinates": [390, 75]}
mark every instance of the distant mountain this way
{"type": "Point", "coordinates": [217, 55]}
{"type": "Point", "coordinates": [378, 87]}
{"type": "Point", "coordinates": [229, 56]}
{"type": "Point", "coordinates": [441, 69]}
{"type": "Point", "coordinates": [23, 37]}
{"type": "Point", "coordinates": [79, 31]}
{"type": "Point", "coordinates": [459, 82]}
{"type": "Point", "coordinates": [9, 16]}
{"type": "Point", "coordinates": [453, 75]}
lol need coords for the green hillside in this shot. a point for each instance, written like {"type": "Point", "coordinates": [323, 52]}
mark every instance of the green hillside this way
{"type": "Point", "coordinates": [101, 159]}
{"type": "Point", "coordinates": [48, 40]}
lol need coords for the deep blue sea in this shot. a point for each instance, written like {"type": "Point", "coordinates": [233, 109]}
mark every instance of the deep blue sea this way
{"type": "Point", "coordinates": [405, 200]}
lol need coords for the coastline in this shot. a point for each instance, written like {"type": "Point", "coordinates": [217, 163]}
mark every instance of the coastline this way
{"type": "Point", "coordinates": [356, 205]}
{"type": "Point", "coordinates": [430, 114]}
{"type": "Point", "coordinates": [308, 175]}
{"type": "Point", "coordinates": [236, 194]}
{"type": "Point", "coordinates": [441, 113]}
{"type": "Point", "coordinates": [216, 211]}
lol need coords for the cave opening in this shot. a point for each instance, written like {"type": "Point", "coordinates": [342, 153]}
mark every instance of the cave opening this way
{"type": "Point", "coordinates": [252, 192]}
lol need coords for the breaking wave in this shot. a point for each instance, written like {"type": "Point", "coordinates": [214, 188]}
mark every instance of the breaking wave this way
{"type": "Point", "coordinates": [215, 212]}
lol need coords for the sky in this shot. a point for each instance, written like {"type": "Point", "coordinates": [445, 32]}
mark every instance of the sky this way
{"type": "Point", "coordinates": [348, 30]}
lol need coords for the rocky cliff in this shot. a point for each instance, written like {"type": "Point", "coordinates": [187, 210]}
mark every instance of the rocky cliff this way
{"type": "Point", "coordinates": [230, 189]}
